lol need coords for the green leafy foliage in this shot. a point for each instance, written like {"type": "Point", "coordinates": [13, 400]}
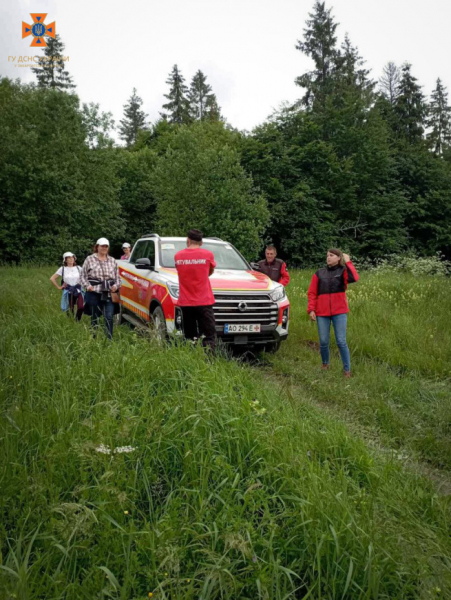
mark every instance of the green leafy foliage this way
{"type": "Point", "coordinates": [56, 194]}
{"type": "Point", "coordinates": [200, 182]}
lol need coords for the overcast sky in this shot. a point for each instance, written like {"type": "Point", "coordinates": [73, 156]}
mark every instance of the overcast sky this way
{"type": "Point", "coordinates": [245, 47]}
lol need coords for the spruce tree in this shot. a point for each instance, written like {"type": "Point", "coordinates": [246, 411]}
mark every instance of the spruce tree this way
{"type": "Point", "coordinates": [410, 107]}
{"type": "Point", "coordinates": [202, 102]}
{"type": "Point", "coordinates": [178, 105]}
{"type": "Point", "coordinates": [51, 72]}
{"type": "Point", "coordinates": [212, 109]}
{"type": "Point", "coordinates": [134, 120]}
{"type": "Point", "coordinates": [439, 120]}
{"type": "Point", "coordinates": [320, 44]}
{"type": "Point", "coordinates": [389, 82]}
{"type": "Point", "coordinates": [351, 75]}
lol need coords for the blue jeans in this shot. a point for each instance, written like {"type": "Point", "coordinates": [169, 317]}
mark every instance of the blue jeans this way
{"type": "Point", "coordinates": [98, 307]}
{"type": "Point", "coordinates": [339, 322]}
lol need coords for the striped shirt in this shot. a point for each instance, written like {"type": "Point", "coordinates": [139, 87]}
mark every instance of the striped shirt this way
{"type": "Point", "coordinates": [93, 268]}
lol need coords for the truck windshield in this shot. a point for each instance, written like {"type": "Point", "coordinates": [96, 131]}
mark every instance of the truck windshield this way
{"type": "Point", "coordinates": [226, 256]}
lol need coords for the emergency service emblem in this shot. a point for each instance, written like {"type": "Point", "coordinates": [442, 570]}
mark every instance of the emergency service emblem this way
{"type": "Point", "coordinates": [38, 30]}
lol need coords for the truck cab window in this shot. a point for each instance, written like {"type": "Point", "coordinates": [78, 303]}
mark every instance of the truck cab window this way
{"type": "Point", "coordinates": [143, 249]}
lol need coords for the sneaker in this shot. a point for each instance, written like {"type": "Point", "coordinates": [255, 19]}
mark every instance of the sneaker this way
{"type": "Point", "coordinates": [347, 374]}
{"type": "Point", "coordinates": [325, 367]}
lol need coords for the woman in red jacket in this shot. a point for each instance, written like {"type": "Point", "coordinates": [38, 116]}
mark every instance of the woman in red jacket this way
{"type": "Point", "coordinates": [327, 304]}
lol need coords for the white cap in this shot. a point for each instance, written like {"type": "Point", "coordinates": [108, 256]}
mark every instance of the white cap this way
{"type": "Point", "coordinates": [126, 245]}
{"type": "Point", "coordinates": [103, 242]}
{"type": "Point", "coordinates": [68, 254]}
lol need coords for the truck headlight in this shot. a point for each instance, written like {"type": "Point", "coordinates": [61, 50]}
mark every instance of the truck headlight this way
{"type": "Point", "coordinates": [277, 294]}
{"type": "Point", "coordinates": [174, 290]}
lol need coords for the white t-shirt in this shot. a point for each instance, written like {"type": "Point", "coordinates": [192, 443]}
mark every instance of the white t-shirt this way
{"type": "Point", "coordinates": [71, 275]}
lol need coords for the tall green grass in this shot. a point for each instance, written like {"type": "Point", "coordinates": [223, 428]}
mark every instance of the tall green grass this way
{"type": "Point", "coordinates": [399, 334]}
{"type": "Point", "coordinates": [233, 486]}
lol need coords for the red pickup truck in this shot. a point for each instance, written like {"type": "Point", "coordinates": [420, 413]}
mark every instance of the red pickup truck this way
{"type": "Point", "coordinates": [250, 309]}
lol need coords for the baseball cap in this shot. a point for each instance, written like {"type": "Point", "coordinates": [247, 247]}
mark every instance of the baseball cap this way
{"type": "Point", "coordinates": [126, 245]}
{"type": "Point", "coordinates": [103, 242]}
{"type": "Point", "coordinates": [68, 254]}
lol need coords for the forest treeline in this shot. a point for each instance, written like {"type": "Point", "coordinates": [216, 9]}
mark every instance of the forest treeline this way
{"type": "Point", "coordinates": [361, 163]}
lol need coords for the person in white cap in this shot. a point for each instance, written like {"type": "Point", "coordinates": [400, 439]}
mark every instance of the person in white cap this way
{"type": "Point", "coordinates": [127, 249]}
{"type": "Point", "coordinates": [70, 284]}
{"type": "Point", "coordinates": [100, 277]}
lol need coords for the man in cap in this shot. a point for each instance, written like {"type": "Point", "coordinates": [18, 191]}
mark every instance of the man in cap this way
{"type": "Point", "coordinates": [274, 267]}
{"type": "Point", "coordinates": [127, 250]}
{"type": "Point", "coordinates": [194, 266]}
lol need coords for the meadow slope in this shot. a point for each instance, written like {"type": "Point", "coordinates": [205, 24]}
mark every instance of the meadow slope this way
{"type": "Point", "coordinates": [131, 470]}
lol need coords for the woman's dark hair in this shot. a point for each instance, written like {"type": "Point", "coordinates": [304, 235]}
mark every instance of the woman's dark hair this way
{"type": "Point", "coordinates": [195, 235]}
{"type": "Point", "coordinates": [338, 253]}
{"type": "Point", "coordinates": [96, 249]}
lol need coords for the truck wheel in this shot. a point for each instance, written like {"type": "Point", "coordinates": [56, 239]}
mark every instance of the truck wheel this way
{"type": "Point", "coordinates": [159, 324]}
{"type": "Point", "coordinates": [272, 348]}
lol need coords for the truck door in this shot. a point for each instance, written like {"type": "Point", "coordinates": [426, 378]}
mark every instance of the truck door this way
{"type": "Point", "coordinates": [136, 291]}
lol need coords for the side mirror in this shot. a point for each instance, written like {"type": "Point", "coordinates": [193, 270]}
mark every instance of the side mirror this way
{"type": "Point", "coordinates": [143, 263]}
{"type": "Point", "coordinates": [255, 266]}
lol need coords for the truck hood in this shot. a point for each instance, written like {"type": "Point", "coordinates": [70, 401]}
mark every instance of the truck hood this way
{"type": "Point", "coordinates": [225, 279]}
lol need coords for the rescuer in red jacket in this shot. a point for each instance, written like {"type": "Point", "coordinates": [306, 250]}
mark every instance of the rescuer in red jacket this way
{"type": "Point", "coordinates": [194, 266]}
{"type": "Point", "coordinates": [327, 304]}
{"type": "Point", "coordinates": [274, 267]}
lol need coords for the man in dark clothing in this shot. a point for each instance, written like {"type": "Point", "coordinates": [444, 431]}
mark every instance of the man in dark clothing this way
{"type": "Point", "coordinates": [274, 267]}
{"type": "Point", "coordinates": [194, 266]}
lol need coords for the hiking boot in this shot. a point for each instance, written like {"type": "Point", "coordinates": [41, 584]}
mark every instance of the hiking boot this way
{"type": "Point", "coordinates": [347, 374]}
{"type": "Point", "coordinates": [325, 367]}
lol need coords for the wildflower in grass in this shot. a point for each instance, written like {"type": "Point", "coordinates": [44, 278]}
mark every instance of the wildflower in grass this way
{"type": "Point", "coordinates": [254, 559]}
{"type": "Point", "coordinates": [120, 450]}
{"type": "Point", "coordinates": [125, 512]}
{"type": "Point", "coordinates": [103, 449]}
{"type": "Point", "coordinates": [150, 595]}
{"type": "Point", "coordinates": [188, 581]}
{"type": "Point", "coordinates": [124, 450]}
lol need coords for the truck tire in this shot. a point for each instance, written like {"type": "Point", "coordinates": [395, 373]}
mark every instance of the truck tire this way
{"type": "Point", "coordinates": [272, 348]}
{"type": "Point", "coordinates": [158, 323]}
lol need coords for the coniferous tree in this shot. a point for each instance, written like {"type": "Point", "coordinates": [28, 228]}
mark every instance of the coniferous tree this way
{"type": "Point", "coordinates": [134, 119]}
{"type": "Point", "coordinates": [212, 109]}
{"type": "Point", "coordinates": [410, 107]}
{"type": "Point", "coordinates": [202, 102]}
{"type": "Point", "coordinates": [51, 72]}
{"type": "Point", "coordinates": [439, 120]}
{"type": "Point", "coordinates": [389, 82]}
{"type": "Point", "coordinates": [178, 105]}
{"type": "Point", "coordinates": [351, 69]}
{"type": "Point", "coordinates": [320, 44]}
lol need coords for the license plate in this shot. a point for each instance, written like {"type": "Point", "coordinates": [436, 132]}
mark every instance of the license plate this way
{"type": "Point", "coordinates": [242, 328]}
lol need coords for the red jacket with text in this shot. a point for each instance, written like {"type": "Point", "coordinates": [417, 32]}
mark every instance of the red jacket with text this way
{"type": "Point", "coordinates": [327, 291]}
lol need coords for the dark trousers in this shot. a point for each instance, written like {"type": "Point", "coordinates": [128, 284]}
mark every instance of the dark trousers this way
{"type": "Point", "coordinates": [96, 307]}
{"type": "Point", "coordinates": [76, 302]}
{"type": "Point", "coordinates": [200, 321]}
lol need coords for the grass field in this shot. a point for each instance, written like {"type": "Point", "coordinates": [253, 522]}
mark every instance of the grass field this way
{"type": "Point", "coordinates": [131, 470]}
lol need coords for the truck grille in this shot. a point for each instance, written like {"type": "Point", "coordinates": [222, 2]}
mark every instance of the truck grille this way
{"type": "Point", "coordinates": [259, 308]}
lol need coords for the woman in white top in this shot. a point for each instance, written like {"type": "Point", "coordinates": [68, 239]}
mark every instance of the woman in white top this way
{"type": "Point", "coordinates": [70, 284]}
